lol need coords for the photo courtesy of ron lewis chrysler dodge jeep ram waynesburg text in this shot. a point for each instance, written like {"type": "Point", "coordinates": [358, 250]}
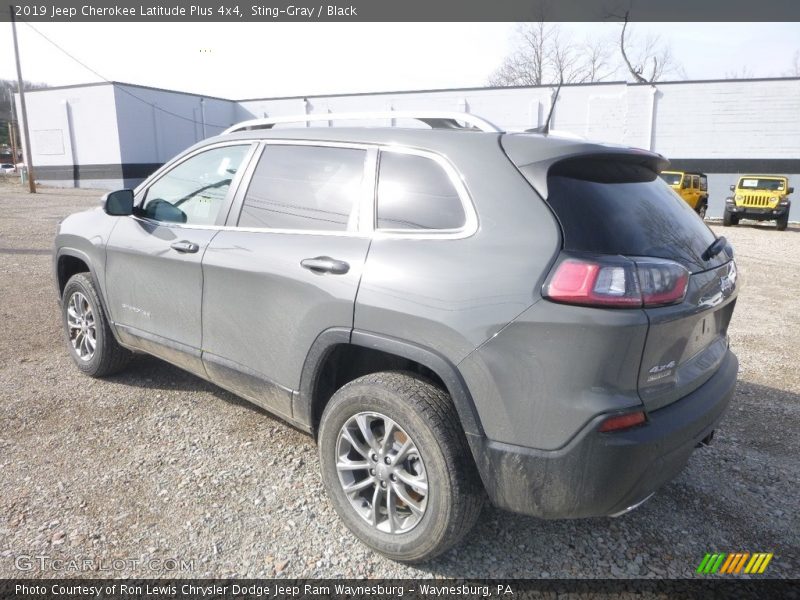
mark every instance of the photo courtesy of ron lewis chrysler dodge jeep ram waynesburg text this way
{"type": "Point", "coordinates": [455, 313]}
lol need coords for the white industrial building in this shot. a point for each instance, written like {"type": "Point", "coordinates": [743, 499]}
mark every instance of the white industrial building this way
{"type": "Point", "coordinates": [112, 135]}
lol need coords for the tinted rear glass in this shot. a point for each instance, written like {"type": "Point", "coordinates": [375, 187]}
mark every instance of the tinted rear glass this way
{"type": "Point", "coordinates": [304, 187]}
{"type": "Point", "coordinates": [612, 207]}
{"type": "Point", "coordinates": [414, 192]}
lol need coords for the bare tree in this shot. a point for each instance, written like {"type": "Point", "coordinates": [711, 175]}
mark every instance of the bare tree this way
{"type": "Point", "coordinates": [8, 87]}
{"type": "Point", "coordinates": [647, 60]}
{"type": "Point", "coordinates": [598, 59]}
{"type": "Point", "coordinates": [528, 63]}
{"type": "Point", "coordinates": [743, 72]}
{"type": "Point", "coordinates": [545, 54]}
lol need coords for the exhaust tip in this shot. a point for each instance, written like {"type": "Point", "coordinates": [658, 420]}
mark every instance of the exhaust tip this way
{"type": "Point", "coordinates": [706, 441]}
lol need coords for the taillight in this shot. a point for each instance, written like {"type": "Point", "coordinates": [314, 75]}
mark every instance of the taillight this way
{"type": "Point", "coordinates": [617, 282]}
{"type": "Point", "coordinates": [662, 281]}
{"type": "Point", "coordinates": [626, 421]}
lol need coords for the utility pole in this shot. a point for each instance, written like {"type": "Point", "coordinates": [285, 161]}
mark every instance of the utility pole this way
{"type": "Point", "coordinates": [12, 134]}
{"type": "Point", "coordinates": [26, 136]}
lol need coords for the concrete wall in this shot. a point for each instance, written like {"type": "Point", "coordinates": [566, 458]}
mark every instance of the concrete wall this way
{"type": "Point", "coordinates": [509, 108]}
{"type": "Point", "coordinates": [74, 136]}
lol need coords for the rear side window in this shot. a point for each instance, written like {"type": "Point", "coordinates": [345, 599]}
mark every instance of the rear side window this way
{"type": "Point", "coordinates": [414, 192]}
{"type": "Point", "coordinates": [304, 187]}
{"type": "Point", "coordinates": [614, 207]}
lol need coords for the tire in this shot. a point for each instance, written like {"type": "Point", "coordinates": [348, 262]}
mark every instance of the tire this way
{"type": "Point", "coordinates": [82, 315]}
{"type": "Point", "coordinates": [701, 210]}
{"type": "Point", "coordinates": [729, 219]}
{"type": "Point", "coordinates": [783, 222]}
{"type": "Point", "coordinates": [422, 415]}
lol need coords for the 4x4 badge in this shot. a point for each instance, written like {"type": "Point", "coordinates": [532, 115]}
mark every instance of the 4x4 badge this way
{"type": "Point", "coordinates": [661, 371]}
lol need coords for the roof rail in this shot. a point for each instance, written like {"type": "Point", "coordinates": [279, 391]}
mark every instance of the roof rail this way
{"type": "Point", "coordinates": [435, 119]}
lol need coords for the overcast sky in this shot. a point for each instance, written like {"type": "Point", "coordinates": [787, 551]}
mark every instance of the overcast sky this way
{"type": "Point", "coordinates": [285, 59]}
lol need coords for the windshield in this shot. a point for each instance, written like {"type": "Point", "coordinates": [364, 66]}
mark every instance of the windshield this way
{"type": "Point", "coordinates": [762, 183]}
{"type": "Point", "coordinates": [671, 178]}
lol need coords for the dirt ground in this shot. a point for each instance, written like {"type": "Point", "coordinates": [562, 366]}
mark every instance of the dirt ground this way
{"type": "Point", "coordinates": [155, 472]}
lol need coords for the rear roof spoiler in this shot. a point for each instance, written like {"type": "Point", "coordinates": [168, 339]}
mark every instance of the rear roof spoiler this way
{"type": "Point", "coordinates": [538, 155]}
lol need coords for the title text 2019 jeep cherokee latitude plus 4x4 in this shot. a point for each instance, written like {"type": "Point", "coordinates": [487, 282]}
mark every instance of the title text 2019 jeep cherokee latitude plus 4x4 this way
{"type": "Point", "coordinates": [453, 312]}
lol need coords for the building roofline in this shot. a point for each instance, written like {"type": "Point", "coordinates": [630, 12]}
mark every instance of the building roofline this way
{"type": "Point", "coordinates": [433, 90]}
{"type": "Point", "coordinates": [743, 79]}
{"type": "Point", "coordinates": [67, 87]}
{"type": "Point", "coordinates": [404, 92]}
{"type": "Point", "coordinates": [125, 84]}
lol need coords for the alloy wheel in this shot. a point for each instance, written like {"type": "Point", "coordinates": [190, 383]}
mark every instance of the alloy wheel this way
{"type": "Point", "coordinates": [81, 326]}
{"type": "Point", "coordinates": [381, 472]}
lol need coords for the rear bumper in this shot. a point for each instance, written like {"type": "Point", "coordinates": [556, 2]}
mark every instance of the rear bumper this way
{"type": "Point", "coordinates": [602, 474]}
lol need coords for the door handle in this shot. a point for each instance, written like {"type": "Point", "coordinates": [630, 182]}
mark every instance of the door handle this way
{"type": "Point", "coordinates": [325, 264]}
{"type": "Point", "coordinates": [185, 247]}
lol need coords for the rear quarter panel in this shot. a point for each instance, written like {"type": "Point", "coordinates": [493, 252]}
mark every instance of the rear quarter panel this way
{"type": "Point", "coordinates": [451, 295]}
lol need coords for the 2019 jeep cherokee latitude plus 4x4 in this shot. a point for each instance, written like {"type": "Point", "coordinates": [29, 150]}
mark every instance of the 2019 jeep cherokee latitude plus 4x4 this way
{"type": "Point", "coordinates": [453, 313]}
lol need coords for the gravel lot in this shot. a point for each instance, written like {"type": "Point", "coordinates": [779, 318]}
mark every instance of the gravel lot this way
{"type": "Point", "coordinates": [156, 464]}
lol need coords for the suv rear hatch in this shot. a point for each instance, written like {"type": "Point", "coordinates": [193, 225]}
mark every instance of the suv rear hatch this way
{"type": "Point", "coordinates": [616, 213]}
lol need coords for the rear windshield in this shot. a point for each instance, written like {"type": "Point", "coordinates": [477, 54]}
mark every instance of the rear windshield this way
{"type": "Point", "coordinates": [613, 207]}
{"type": "Point", "coordinates": [760, 183]}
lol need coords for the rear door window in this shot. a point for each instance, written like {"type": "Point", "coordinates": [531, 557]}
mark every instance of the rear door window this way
{"type": "Point", "coordinates": [314, 188]}
{"type": "Point", "coordinates": [415, 192]}
{"type": "Point", "coordinates": [615, 207]}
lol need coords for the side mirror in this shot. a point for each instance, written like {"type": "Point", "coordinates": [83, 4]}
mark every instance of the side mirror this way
{"type": "Point", "coordinates": [119, 203]}
{"type": "Point", "coordinates": [733, 188]}
{"type": "Point", "coordinates": [790, 190]}
{"type": "Point", "coordinates": [161, 210]}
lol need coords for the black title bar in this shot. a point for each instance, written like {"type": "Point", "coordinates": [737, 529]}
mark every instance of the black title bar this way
{"type": "Point", "coordinates": [405, 10]}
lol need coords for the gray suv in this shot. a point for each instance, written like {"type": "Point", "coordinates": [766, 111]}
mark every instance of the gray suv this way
{"type": "Point", "coordinates": [453, 312]}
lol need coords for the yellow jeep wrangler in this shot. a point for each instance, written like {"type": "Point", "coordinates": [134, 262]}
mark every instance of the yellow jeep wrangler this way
{"type": "Point", "coordinates": [759, 197]}
{"type": "Point", "coordinates": [692, 187]}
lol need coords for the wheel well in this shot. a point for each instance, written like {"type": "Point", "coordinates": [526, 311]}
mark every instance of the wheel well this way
{"type": "Point", "coordinates": [67, 267]}
{"type": "Point", "coordinates": [346, 362]}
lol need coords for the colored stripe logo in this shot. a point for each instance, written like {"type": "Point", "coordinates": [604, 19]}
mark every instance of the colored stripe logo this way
{"type": "Point", "coordinates": [735, 563]}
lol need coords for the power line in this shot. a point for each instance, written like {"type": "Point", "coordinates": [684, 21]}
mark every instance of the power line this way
{"type": "Point", "coordinates": [119, 87]}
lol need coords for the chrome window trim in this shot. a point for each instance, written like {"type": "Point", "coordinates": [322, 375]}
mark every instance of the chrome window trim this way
{"type": "Point", "coordinates": [169, 165]}
{"type": "Point", "coordinates": [144, 187]}
{"type": "Point", "coordinates": [470, 226]}
{"type": "Point", "coordinates": [354, 224]}
{"type": "Point", "coordinates": [366, 227]}
{"type": "Point", "coordinates": [366, 210]}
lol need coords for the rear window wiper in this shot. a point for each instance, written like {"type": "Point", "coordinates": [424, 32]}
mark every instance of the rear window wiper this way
{"type": "Point", "coordinates": [715, 248]}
